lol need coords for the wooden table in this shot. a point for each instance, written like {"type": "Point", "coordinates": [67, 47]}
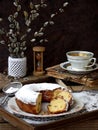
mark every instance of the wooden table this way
{"type": "Point", "coordinates": [79, 121]}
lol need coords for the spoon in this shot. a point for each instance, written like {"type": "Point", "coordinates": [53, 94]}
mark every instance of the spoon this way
{"type": "Point", "coordinates": [10, 90]}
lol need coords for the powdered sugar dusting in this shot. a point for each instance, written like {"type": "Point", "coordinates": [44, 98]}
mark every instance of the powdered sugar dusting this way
{"type": "Point", "coordinates": [90, 99]}
{"type": "Point", "coordinates": [12, 90]}
{"type": "Point", "coordinates": [43, 86]}
{"type": "Point", "coordinates": [27, 95]}
{"type": "Point", "coordinates": [29, 92]}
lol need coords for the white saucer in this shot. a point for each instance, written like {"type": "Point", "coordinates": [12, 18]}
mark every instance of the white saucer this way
{"type": "Point", "coordinates": [67, 66]}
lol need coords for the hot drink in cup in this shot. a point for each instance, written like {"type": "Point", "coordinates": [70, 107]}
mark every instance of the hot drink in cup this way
{"type": "Point", "coordinates": [81, 60]}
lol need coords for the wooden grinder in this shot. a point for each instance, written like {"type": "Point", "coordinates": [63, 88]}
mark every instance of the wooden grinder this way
{"type": "Point", "coordinates": [38, 60]}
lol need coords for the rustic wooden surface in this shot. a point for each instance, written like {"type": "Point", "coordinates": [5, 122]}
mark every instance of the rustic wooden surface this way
{"type": "Point", "coordinates": [90, 80]}
{"type": "Point", "coordinates": [5, 79]}
{"type": "Point", "coordinates": [84, 122]}
{"type": "Point", "coordinates": [83, 125]}
{"type": "Point", "coordinates": [4, 125]}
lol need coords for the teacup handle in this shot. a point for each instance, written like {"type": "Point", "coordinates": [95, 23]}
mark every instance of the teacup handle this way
{"type": "Point", "coordinates": [93, 63]}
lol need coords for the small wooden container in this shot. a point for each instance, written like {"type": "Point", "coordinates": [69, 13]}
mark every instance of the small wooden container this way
{"type": "Point", "coordinates": [38, 60]}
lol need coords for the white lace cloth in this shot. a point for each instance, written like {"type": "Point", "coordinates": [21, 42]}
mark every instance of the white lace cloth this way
{"type": "Point", "coordinates": [89, 98]}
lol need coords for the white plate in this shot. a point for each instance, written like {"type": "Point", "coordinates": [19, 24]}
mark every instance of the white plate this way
{"type": "Point", "coordinates": [67, 66]}
{"type": "Point", "coordinates": [12, 106]}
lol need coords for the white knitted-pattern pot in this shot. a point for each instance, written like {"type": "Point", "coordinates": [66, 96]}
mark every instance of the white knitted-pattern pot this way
{"type": "Point", "coordinates": [17, 66]}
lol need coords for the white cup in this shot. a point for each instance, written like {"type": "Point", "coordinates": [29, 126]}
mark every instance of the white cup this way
{"type": "Point", "coordinates": [81, 60]}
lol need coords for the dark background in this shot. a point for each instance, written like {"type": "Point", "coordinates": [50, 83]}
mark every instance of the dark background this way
{"type": "Point", "coordinates": [75, 29]}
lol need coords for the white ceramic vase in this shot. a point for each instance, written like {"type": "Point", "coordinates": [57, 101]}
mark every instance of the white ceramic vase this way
{"type": "Point", "coordinates": [17, 67]}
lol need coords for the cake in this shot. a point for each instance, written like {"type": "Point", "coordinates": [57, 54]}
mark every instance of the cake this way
{"type": "Point", "coordinates": [56, 92]}
{"type": "Point", "coordinates": [66, 95]}
{"type": "Point", "coordinates": [57, 105]}
{"type": "Point", "coordinates": [47, 95]}
{"type": "Point", "coordinates": [29, 98]}
{"type": "Point", "coordinates": [61, 102]}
